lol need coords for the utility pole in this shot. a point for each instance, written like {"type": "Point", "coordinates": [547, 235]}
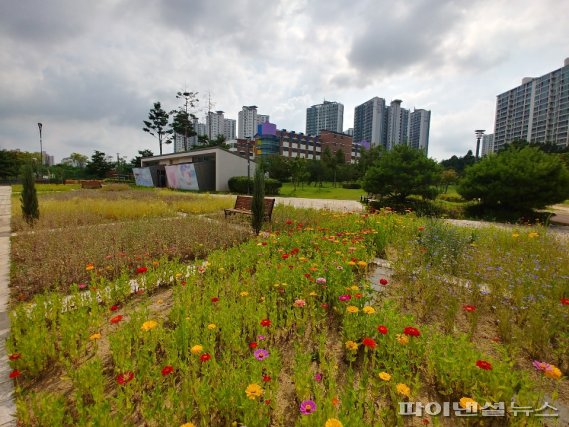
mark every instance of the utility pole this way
{"type": "Point", "coordinates": [41, 146]}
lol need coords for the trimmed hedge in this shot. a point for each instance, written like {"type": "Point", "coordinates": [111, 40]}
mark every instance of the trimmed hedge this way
{"type": "Point", "coordinates": [238, 184]}
{"type": "Point", "coordinates": [351, 185]}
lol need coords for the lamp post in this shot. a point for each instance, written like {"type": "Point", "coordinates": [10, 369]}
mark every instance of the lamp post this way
{"type": "Point", "coordinates": [478, 133]}
{"type": "Point", "coordinates": [41, 146]}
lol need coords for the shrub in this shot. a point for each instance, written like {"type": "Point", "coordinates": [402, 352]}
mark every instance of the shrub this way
{"type": "Point", "coordinates": [517, 179]}
{"type": "Point", "coordinates": [258, 202]}
{"type": "Point", "coordinates": [238, 184]}
{"type": "Point", "coordinates": [351, 185]}
{"type": "Point", "coordinates": [29, 197]}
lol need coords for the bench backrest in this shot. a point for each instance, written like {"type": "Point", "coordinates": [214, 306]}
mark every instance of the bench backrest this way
{"type": "Point", "coordinates": [245, 203]}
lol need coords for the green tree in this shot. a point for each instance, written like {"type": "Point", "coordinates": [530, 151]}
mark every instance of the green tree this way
{"type": "Point", "coordinates": [11, 162]}
{"type": "Point", "coordinates": [299, 171]}
{"type": "Point", "coordinates": [258, 202]}
{"type": "Point", "coordinates": [157, 124]}
{"type": "Point", "coordinates": [448, 177]}
{"type": "Point", "coordinates": [135, 161]}
{"type": "Point", "coordinates": [98, 166]}
{"type": "Point", "coordinates": [182, 119]}
{"type": "Point", "coordinates": [459, 164]}
{"type": "Point", "coordinates": [367, 158]}
{"type": "Point", "coordinates": [79, 160]}
{"type": "Point", "coordinates": [517, 179]}
{"type": "Point", "coordinates": [29, 197]}
{"type": "Point", "coordinates": [401, 172]}
{"type": "Point", "coordinates": [279, 167]}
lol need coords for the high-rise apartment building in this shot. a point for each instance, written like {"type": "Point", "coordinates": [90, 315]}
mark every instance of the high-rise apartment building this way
{"type": "Point", "coordinates": [370, 120]}
{"type": "Point", "coordinates": [229, 129]}
{"type": "Point", "coordinates": [419, 126]}
{"type": "Point", "coordinates": [328, 116]}
{"type": "Point", "coordinates": [215, 124]}
{"type": "Point", "coordinates": [535, 111]}
{"type": "Point", "coordinates": [397, 124]}
{"type": "Point", "coordinates": [249, 120]}
{"type": "Point", "coordinates": [487, 144]}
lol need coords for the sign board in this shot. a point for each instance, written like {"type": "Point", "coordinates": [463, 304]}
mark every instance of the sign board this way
{"type": "Point", "coordinates": [182, 177]}
{"type": "Point", "coordinates": [143, 177]}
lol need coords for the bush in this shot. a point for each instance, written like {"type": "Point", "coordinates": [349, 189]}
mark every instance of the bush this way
{"type": "Point", "coordinates": [238, 184]}
{"type": "Point", "coordinates": [351, 185]}
{"type": "Point", "coordinates": [29, 197]}
{"type": "Point", "coordinates": [517, 179]}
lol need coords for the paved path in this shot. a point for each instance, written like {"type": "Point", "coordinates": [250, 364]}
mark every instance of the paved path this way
{"type": "Point", "coordinates": [331, 204]}
{"type": "Point", "coordinates": [7, 406]}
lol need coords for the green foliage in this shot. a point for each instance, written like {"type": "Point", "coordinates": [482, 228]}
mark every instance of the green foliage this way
{"type": "Point", "coordinates": [258, 202]}
{"type": "Point", "coordinates": [523, 178]}
{"type": "Point", "coordinates": [279, 167]}
{"type": "Point", "coordinates": [459, 164]}
{"type": "Point", "coordinates": [29, 197]}
{"type": "Point", "coordinates": [135, 162]}
{"type": "Point", "coordinates": [98, 166]}
{"type": "Point", "coordinates": [11, 162]}
{"type": "Point", "coordinates": [401, 172]}
{"type": "Point", "coordinates": [351, 185]}
{"type": "Point", "coordinates": [157, 123]}
{"type": "Point", "coordinates": [238, 184]}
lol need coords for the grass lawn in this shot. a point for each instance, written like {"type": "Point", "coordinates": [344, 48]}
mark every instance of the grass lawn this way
{"type": "Point", "coordinates": [327, 191]}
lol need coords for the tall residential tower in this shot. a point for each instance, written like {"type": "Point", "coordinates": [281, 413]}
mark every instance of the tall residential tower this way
{"type": "Point", "coordinates": [370, 122]}
{"type": "Point", "coordinates": [328, 115]}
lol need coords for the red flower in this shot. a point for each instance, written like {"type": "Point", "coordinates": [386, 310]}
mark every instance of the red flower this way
{"type": "Point", "coordinates": [141, 270]}
{"type": "Point", "coordinates": [266, 378]}
{"type": "Point", "coordinates": [116, 319]}
{"type": "Point", "coordinates": [253, 344]}
{"type": "Point", "coordinates": [267, 401]}
{"type": "Point", "coordinates": [358, 296]}
{"type": "Point", "coordinates": [15, 356]}
{"type": "Point", "coordinates": [383, 281]}
{"type": "Point", "coordinates": [266, 323]}
{"type": "Point", "coordinates": [15, 373]}
{"type": "Point", "coordinates": [411, 331]}
{"type": "Point", "coordinates": [289, 222]}
{"type": "Point", "coordinates": [125, 378]}
{"type": "Point", "coordinates": [205, 357]}
{"type": "Point", "coordinates": [167, 370]}
{"type": "Point", "coordinates": [215, 299]}
{"type": "Point", "coordinates": [284, 256]}
{"type": "Point", "coordinates": [369, 342]}
{"type": "Point", "coordinates": [114, 307]}
{"type": "Point", "coordinates": [324, 306]}
{"type": "Point", "coordinates": [482, 364]}
{"type": "Point", "coordinates": [294, 251]}
{"type": "Point", "coordinates": [469, 308]}
{"type": "Point", "coordinates": [382, 329]}
{"type": "Point", "coordinates": [564, 301]}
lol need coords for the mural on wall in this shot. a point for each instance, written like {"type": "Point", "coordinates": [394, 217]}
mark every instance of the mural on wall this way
{"type": "Point", "coordinates": [143, 177]}
{"type": "Point", "coordinates": [182, 177]}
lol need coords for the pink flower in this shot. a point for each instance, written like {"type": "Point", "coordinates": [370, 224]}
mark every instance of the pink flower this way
{"type": "Point", "coordinates": [346, 297]}
{"type": "Point", "coordinates": [321, 281]}
{"type": "Point", "coordinates": [299, 303]}
{"type": "Point", "coordinates": [307, 407]}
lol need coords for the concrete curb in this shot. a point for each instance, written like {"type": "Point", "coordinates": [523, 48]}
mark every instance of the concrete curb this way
{"type": "Point", "coordinates": [7, 404]}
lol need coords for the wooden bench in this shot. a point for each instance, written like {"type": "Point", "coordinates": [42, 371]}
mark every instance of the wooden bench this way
{"type": "Point", "coordinates": [92, 184]}
{"type": "Point", "coordinates": [243, 206]}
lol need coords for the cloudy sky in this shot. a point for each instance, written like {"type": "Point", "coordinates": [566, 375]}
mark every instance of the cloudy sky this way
{"type": "Point", "coordinates": [90, 70]}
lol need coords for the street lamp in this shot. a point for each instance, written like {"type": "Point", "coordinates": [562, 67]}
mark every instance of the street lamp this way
{"type": "Point", "coordinates": [41, 147]}
{"type": "Point", "coordinates": [478, 133]}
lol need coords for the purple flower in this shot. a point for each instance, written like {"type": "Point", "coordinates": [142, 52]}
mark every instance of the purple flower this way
{"type": "Point", "coordinates": [318, 377]}
{"type": "Point", "coordinates": [346, 297]}
{"type": "Point", "coordinates": [307, 407]}
{"type": "Point", "coordinates": [261, 337]}
{"type": "Point", "coordinates": [541, 366]}
{"type": "Point", "coordinates": [261, 354]}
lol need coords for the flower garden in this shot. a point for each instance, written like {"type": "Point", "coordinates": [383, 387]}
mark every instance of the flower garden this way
{"type": "Point", "coordinates": [295, 327]}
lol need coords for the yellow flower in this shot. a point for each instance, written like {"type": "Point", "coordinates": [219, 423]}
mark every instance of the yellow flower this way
{"type": "Point", "coordinates": [553, 372]}
{"type": "Point", "coordinates": [148, 325]}
{"type": "Point", "coordinates": [362, 264]}
{"type": "Point", "coordinates": [351, 263]}
{"type": "Point", "coordinates": [469, 403]}
{"type": "Point", "coordinates": [211, 326]}
{"type": "Point", "coordinates": [90, 266]}
{"type": "Point", "coordinates": [351, 345]}
{"type": "Point", "coordinates": [402, 339]}
{"type": "Point", "coordinates": [514, 235]}
{"type": "Point", "coordinates": [188, 425]}
{"type": "Point", "coordinates": [384, 376]}
{"type": "Point", "coordinates": [533, 234]}
{"type": "Point", "coordinates": [197, 349]}
{"type": "Point", "coordinates": [178, 275]}
{"type": "Point", "coordinates": [333, 422]}
{"type": "Point", "coordinates": [403, 389]}
{"type": "Point", "coordinates": [352, 309]}
{"type": "Point", "coordinates": [95, 336]}
{"type": "Point", "coordinates": [253, 391]}
{"type": "Point", "coordinates": [244, 293]}
{"type": "Point", "coordinates": [354, 288]}
{"type": "Point", "coordinates": [313, 294]}
{"type": "Point", "coordinates": [368, 309]}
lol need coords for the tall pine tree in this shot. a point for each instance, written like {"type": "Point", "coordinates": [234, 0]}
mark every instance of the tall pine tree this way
{"type": "Point", "coordinates": [258, 202]}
